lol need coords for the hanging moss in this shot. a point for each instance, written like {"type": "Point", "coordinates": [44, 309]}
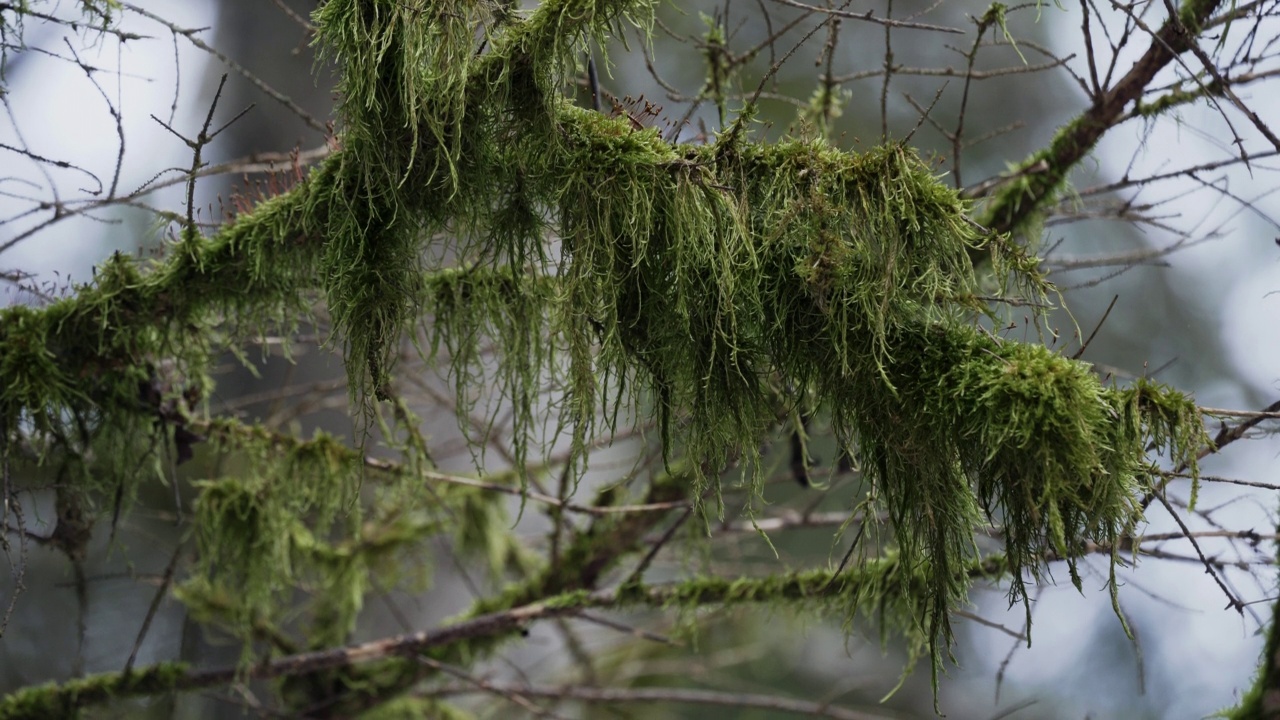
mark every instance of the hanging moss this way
{"type": "Point", "coordinates": [296, 523]}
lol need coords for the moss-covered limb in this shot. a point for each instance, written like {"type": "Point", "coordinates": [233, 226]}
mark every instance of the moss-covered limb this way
{"type": "Point", "coordinates": [1038, 178]}
{"type": "Point", "coordinates": [674, 254]}
{"type": "Point", "coordinates": [1178, 96]}
{"type": "Point", "coordinates": [955, 426]}
{"type": "Point", "coordinates": [711, 275]}
{"type": "Point", "coordinates": [64, 700]}
{"type": "Point", "coordinates": [715, 280]}
{"type": "Point", "coordinates": [94, 358]}
{"type": "Point", "coordinates": [841, 273]}
{"type": "Point", "coordinates": [259, 268]}
{"type": "Point", "coordinates": [883, 587]}
{"type": "Point", "coordinates": [248, 262]}
{"type": "Point", "coordinates": [969, 427]}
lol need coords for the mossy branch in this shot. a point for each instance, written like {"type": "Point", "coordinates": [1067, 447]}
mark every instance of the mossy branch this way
{"type": "Point", "coordinates": [883, 586]}
{"type": "Point", "coordinates": [1038, 178]}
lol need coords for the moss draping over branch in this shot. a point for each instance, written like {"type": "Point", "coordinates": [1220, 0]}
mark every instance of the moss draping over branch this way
{"type": "Point", "coordinates": [427, 104]}
{"type": "Point", "coordinates": [721, 282]}
{"type": "Point", "coordinates": [110, 370]}
{"type": "Point", "coordinates": [285, 515]}
{"type": "Point", "coordinates": [727, 280]}
{"type": "Point", "coordinates": [956, 427]}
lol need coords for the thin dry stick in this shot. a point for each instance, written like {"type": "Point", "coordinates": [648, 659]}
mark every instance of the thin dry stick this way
{"type": "Point", "coordinates": [1232, 601]}
{"type": "Point", "coordinates": [671, 695]}
{"type": "Point", "coordinates": [479, 684]}
{"type": "Point", "coordinates": [1255, 415]}
{"type": "Point", "coordinates": [1085, 345]}
{"type": "Point", "coordinates": [627, 629]}
{"type": "Point", "coordinates": [18, 565]}
{"type": "Point", "coordinates": [190, 35]}
{"type": "Point", "coordinates": [638, 573]}
{"type": "Point", "coordinates": [1224, 86]}
{"type": "Point", "coordinates": [1219, 479]}
{"type": "Point", "coordinates": [531, 495]}
{"type": "Point", "coordinates": [888, 75]}
{"type": "Point", "coordinates": [111, 108]}
{"type": "Point", "coordinates": [869, 16]}
{"type": "Point", "coordinates": [197, 145]}
{"type": "Point", "coordinates": [161, 591]}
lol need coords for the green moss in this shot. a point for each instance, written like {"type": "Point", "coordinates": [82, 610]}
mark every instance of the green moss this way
{"type": "Point", "coordinates": [296, 523]}
{"type": "Point", "coordinates": [1176, 97]}
{"type": "Point", "coordinates": [64, 700]}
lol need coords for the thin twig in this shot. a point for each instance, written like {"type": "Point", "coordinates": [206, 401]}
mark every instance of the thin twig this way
{"type": "Point", "coordinates": [649, 695]}
{"type": "Point", "coordinates": [165, 582]}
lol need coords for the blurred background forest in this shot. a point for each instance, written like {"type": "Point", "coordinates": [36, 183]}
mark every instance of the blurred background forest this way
{"type": "Point", "coordinates": [1177, 276]}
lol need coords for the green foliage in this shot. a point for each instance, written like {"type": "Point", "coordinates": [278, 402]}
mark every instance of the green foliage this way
{"type": "Point", "coordinates": [259, 533]}
{"type": "Point", "coordinates": [293, 519]}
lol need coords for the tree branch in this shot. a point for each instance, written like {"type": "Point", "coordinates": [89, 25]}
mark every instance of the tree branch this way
{"type": "Point", "coordinates": [1040, 176]}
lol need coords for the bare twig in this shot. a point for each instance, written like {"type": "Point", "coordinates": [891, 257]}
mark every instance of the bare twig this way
{"type": "Point", "coordinates": [679, 696]}
{"type": "Point", "coordinates": [190, 35]}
